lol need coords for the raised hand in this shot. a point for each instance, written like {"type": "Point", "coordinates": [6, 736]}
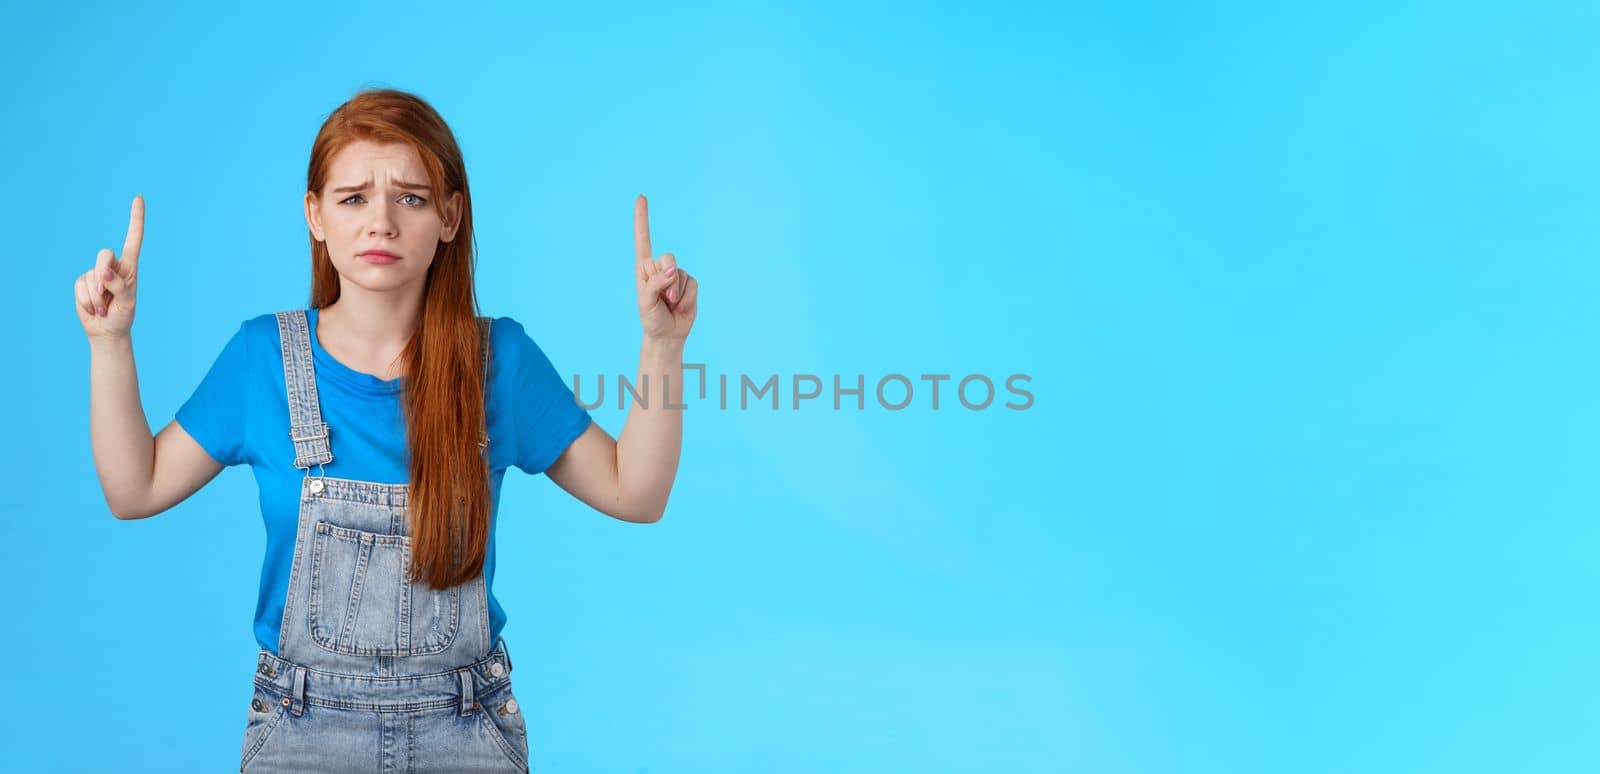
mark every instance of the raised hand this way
{"type": "Point", "coordinates": [667, 295]}
{"type": "Point", "coordinates": [106, 292]}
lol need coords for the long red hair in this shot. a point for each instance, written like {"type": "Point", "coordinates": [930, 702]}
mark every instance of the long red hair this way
{"type": "Point", "coordinates": [448, 496]}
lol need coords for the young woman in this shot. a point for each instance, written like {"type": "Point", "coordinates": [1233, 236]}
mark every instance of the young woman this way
{"type": "Point", "coordinates": [379, 423]}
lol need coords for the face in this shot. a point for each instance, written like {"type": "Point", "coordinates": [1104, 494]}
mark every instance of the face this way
{"type": "Point", "coordinates": [376, 197]}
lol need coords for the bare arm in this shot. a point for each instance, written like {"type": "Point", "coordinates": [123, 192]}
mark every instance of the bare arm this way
{"type": "Point", "coordinates": [631, 478]}
{"type": "Point", "coordinates": [139, 475]}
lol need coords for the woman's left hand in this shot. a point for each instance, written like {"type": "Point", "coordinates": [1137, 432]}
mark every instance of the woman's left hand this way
{"type": "Point", "coordinates": [667, 294]}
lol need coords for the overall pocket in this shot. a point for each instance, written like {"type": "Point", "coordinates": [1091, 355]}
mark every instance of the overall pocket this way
{"type": "Point", "coordinates": [265, 712]}
{"type": "Point", "coordinates": [361, 603]}
{"type": "Point", "coordinates": [499, 711]}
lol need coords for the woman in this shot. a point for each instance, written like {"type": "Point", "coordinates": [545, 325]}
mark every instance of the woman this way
{"type": "Point", "coordinates": [379, 423]}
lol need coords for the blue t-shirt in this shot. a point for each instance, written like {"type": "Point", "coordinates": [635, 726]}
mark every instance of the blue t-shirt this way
{"type": "Point", "coordinates": [240, 414]}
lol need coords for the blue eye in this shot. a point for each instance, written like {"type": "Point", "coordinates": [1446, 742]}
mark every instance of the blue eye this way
{"type": "Point", "coordinates": [420, 201]}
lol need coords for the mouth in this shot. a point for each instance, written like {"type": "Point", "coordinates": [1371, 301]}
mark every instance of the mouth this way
{"type": "Point", "coordinates": [378, 256]}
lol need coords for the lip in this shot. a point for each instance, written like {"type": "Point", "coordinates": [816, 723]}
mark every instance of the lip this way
{"type": "Point", "coordinates": [378, 256]}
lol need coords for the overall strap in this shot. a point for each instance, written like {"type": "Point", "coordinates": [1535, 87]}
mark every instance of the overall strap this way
{"type": "Point", "coordinates": [484, 325]}
{"type": "Point", "coordinates": [306, 428]}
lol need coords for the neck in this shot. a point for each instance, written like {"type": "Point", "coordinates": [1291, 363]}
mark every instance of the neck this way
{"type": "Point", "coordinates": [374, 325]}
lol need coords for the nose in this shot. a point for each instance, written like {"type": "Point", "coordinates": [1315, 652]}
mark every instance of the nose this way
{"type": "Point", "coordinates": [382, 222]}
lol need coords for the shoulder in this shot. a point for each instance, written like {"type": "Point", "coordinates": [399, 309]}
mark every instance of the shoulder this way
{"type": "Point", "coordinates": [261, 323]}
{"type": "Point", "coordinates": [252, 329]}
{"type": "Point", "coordinates": [518, 355]}
{"type": "Point", "coordinates": [261, 329]}
{"type": "Point", "coordinates": [509, 339]}
{"type": "Point", "coordinates": [258, 334]}
{"type": "Point", "coordinates": [504, 326]}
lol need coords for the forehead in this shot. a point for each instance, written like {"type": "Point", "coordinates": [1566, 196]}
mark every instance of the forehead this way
{"type": "Point", "coordinates": [366, 160]}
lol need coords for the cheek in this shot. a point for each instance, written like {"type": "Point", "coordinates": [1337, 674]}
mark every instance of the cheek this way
{"type": "Point", "coordinates": [335, 230]}
{"type": "Point", "coordinates": [424, 260]}
{"type": "Point", "coordinates": [425, 236]}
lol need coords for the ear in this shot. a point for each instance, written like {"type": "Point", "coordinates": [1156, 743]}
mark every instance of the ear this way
{"type": "Point", "coordinates": [452, 217]}
{"type": "Point", "coordinates": [314, 216]}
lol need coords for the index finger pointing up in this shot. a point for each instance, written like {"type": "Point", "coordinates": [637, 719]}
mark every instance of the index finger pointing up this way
{"type": "Point", "coordinates": [130, 246]}
{"type": "Point", "coordinates": [641, 233]}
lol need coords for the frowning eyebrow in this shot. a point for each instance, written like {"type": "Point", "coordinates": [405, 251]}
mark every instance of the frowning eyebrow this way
{"type": "Point", "coordinates": [398, 184]}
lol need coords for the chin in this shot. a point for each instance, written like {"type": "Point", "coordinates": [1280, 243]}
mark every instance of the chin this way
{"type": "Point", "coordinates": [380, 284]}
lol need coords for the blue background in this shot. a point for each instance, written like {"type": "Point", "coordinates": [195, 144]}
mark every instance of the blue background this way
{"type": "Point", "coordinates": [1303, 292]}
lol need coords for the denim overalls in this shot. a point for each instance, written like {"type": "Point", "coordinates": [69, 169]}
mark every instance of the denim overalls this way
{"type": "Point", "coordinates": [373, 674]}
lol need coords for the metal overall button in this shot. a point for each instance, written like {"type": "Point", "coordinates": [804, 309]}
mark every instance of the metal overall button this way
{"type": "Point", "coordinates": [495, 670]}
{"type": "Point", "coordinates": [509, 708]}
{"type": "Point", "coordinates": [316, 486]}
{"type": "Point", "coordinates": [257, 705]}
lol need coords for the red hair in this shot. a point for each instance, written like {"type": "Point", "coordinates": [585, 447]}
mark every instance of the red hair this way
{"type": "Point", "coordinates": [448, 498]}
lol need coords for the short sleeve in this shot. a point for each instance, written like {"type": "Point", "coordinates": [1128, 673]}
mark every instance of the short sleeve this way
{"type": "Point", "coordinates": [548, 417]}
{"type": "Point", "coordinates": [214, 415]}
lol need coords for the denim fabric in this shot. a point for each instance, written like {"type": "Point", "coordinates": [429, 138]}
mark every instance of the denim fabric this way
{"type": "Point", "coordinates": [372, 673]}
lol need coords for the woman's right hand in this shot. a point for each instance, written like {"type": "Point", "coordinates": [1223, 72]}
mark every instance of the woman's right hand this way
{"type": "Point", "coordinates": [106, 292]}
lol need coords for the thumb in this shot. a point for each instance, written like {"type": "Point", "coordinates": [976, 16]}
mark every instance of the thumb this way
{"type": "Point", "coordinates": [113, 281]}
{"type": "Point", "coordinates": [662, 280]}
